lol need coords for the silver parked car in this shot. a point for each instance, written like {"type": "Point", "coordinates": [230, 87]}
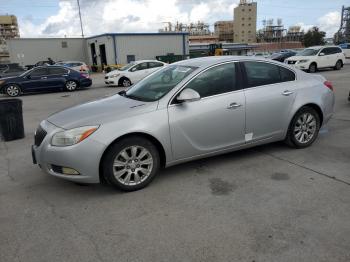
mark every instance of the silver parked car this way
{"type": "Point", "coordinates": [187, 110]}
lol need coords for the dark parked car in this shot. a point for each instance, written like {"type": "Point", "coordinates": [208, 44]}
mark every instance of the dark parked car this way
{"type": "Point", "coordinates": [11, 69]}
{"type": "Point", "coordinates": [44, 78]}
{"type": "Point", "coordinates": [282, 56]}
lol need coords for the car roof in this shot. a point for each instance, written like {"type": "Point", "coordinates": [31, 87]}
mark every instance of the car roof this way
{"type": "Point", "coordinates": [321, 46]}
{"type": "Point", "coordinates": [65, 62]}
{"type": "Point", "coordinates": [143, 61]}
{"type": "Point", "coordinates": [204, 62]}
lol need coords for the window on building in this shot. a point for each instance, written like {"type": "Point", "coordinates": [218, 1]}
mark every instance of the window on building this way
{"type": "Point", "coordinates": [250, 9]}
{"type": "Point", "coordinates": [249, 24]}
{"type": "Point", "coordinates": [243, 32]}
{"type": "Point", "coordinates": [242, 24]}
{"type": "Point", "coordinates": [250, 18]}
{"type": "Point", "coordinates": [242, 18]}
{"type": "Point", "coordinates": [242, 10]}
{"type": "Point", "coordinates": [64, 44]}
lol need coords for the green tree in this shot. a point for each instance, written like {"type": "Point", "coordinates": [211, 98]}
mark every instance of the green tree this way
{"type": "Point", "coordinates": [314, 37]}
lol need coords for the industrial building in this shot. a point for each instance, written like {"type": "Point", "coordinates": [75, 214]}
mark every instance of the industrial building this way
{"type": "Point", "coordinates": [224, 30]}
{"type": "Point", "coordinates": [8, 30]}
{"type": "Point", "coordinates": [106, 49]}
{"type": "Point", "coordinates": [343, 34]}
{"type": "Point", "coordinates": [245, 15]}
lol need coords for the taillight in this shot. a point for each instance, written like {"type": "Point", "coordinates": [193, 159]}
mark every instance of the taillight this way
{"type": "Point", "coordinates": [328, 84]}
{"type": "Point", "coordinates": [84, 75]}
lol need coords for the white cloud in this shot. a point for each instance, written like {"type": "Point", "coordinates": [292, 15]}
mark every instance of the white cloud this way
{"type": "Point", "coordinates": [330, 23]}
{"type": "Point", "coordinates": [126, 16]}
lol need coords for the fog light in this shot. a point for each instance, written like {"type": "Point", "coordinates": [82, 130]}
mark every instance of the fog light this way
{"type": "Point", "coordinates": [64, 170]}
{"type": "Point", "coordinates": [69, 171]}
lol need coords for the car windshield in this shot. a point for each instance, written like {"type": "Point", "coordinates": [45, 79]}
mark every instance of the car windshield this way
{"type": "Point", "coordinates": [275, 55]}
{"type": "Point", "coordinates": [158, 84]}
{"type": "Point", "coordinates": [126, 67]}
{"type": "Point", "coordinates": [309, 52]}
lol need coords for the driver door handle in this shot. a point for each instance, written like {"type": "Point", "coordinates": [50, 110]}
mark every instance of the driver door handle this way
{"type": "Point", "coordinates": [43, 77]}
{"type": "Point", "coordinates": [234, 106]}
{"type": "Point", "coordinates": [287, 93]}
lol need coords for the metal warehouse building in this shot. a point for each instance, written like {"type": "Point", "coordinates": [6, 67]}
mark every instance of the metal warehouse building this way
{"type": "Point", "coordinates": [112, 48]}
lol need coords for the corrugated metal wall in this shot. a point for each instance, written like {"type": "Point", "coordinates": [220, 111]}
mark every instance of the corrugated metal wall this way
{"type": "Point", "coordinates": [149, 46]}
{"type": "Point", "coordinates": [28, 51]}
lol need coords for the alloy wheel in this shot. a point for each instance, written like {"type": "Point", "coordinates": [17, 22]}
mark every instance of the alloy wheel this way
{"type": "Point", "coordinates": [132, 165]}
{"type": "Point", "coordinates": [126, 83]}
{"type": "Point", "coordinates": [12, 90]}
{"type": "Point", "coordinates": [71, 85]}
{"type": "Point", "coordinates": [305, 128]}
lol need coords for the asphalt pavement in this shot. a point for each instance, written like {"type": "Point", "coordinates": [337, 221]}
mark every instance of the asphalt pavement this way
{"type": "Point", "coordinates": [269, 203]}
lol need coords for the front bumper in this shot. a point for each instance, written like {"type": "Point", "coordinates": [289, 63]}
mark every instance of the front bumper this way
{"type": "Point", "coordinates": [83, 157]}
{"type": "Point", "coordinates": [301, 66]}
{"type": "Point", "coordinates": [111, 81]}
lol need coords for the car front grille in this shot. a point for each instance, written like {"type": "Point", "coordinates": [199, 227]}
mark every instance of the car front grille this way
{"type": "Point", "coordinates": [39, 136]}
{"type": "Point", "coordinates": [292, 62]}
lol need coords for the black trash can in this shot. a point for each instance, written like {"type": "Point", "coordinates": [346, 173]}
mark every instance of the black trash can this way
{"type": "Point", "coordinates": [11, 119]}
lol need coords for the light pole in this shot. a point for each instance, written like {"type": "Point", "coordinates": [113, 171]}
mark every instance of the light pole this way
{"type": "Point", "coordinates": [81, 23]}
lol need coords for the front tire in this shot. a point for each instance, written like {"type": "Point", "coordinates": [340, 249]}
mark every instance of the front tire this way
{"type": "Point", "coordinates": [125, 82]}
{"type": "Point", "coordinates": [313, 68]}
{"type": "Point", "coordinates": [13, 90]}
{"type": "Point", "coordinates": [131, 163]}
{"type": "Point", "coordinates": [303, 129]}
{"type": "Point", "coordinates": [71, 85]}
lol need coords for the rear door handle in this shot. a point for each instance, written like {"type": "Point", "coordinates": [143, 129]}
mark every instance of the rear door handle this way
{"type": "Point", "coordinates": [234, 106]}
{"type": "Point", "coordinates": [287, 93]}
{"type": "Point", "coordinates": [44, 77]}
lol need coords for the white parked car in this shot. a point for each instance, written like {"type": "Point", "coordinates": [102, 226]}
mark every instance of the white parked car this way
{"type": "Point", "coordinates": [75, 65]}
{"type": "Point", "coordinates": [313, 58]}
{"type": "Point", "coordinates": [133, 72]}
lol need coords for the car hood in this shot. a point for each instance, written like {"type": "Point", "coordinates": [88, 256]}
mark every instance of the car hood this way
{"type": "Point", "coordinates": [100, 111]}
{"type": "Point", "coordinates": [297, 58]}
{"type": "Point", "coordinates": [116, 71]}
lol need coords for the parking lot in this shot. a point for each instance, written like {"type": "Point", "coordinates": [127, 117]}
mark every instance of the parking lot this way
{"type": "Point", "coordinates": [270, 203]}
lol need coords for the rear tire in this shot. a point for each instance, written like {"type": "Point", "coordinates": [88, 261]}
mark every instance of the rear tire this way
{"type": "Point", "coordinates": [71, 85]}
{"type": "Point", "coordinates": [313, 68]}
{"type": "Point", "coordinates": [338, 65]}
{"type": "Point", "coordinates": [12, 90]}
{"type": "Point", "coordinates": [131, 163]}
{"type": "Point", "coordinates": [303, 129]}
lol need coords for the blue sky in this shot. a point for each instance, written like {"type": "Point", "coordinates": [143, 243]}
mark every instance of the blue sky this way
{"type": "Point", "coordinates": [59, 17]}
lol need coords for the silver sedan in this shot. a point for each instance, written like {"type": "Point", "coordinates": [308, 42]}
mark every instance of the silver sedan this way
{"type": "Point", "coordinates": [188, 110]}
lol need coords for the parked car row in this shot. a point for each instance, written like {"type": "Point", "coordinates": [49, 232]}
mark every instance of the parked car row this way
{"type": "Point", "coordinates": [44, 78]}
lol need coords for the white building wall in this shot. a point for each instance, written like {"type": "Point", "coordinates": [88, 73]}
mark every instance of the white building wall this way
{"type": "Point", "coordinates": [28, 51]}
{"type": "Point", "coordinates": [149, 46]}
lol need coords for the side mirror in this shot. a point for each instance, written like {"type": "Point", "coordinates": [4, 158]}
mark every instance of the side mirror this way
{"type": "Point", "coordinates": [321, 54]}
{"type": "Point", "coordinates": [188, 95]}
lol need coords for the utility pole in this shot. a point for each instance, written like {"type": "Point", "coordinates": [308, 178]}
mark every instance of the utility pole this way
{"type": "Point", "coordinates": [81, 23]}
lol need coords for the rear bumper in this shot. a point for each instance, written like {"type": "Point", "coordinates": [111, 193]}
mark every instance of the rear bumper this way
{"type": "Point", "coordinates": [86, 82]}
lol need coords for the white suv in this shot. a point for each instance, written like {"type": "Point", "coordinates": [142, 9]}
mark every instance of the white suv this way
{"type": "Point", "coordinates": [133, 72]}
{"type": "Point", "coordinates": [313, 58]}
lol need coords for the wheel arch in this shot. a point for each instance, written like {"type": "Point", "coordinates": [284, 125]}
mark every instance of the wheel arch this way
{"type": "Point", "coordinates": [2, 90]}
{"type": "Point", "coordinates": [149, 137]}
{"type": "Point", "coordinates": [314, 106]}
{"type": "Point", "coordinates": [120, 81]}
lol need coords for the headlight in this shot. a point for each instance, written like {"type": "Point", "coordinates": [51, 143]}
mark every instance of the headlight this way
{"type": "Point", "coordinates": [72, 136]}
{"type": "Point", "coordinates": [303, 61]}
{"type": "Point", "coordinates": [115, 75]}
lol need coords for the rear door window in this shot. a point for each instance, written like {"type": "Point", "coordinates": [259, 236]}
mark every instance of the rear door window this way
{"type": "Point", "coordinates": [57, 71]}
{"type": "Point", "coordinates": [154, 64]}
{"type": "Point", "coordinates": [261, 73]}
